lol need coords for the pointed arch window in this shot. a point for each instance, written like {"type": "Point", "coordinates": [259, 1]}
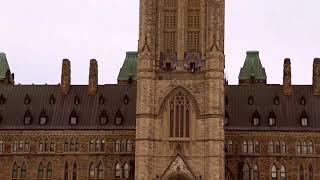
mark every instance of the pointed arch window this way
{"type": "Point", "coordinates": [256, 172]}
{"type": "Point", "coordinates": [26, 145]}
{"type": "Point", "coordinates": [301, 172]}
{"type": "Point", "coordinates": [256, 147]}
{"type": "Point", "coordinates": [41, 145]}
{"type": "Point", "coordinates": [73, 118]}
{"type": "Point", "coordinates": [256, 118]}
{"type": "Point", "coordinates": [304, 147]}
{"type": "Point", "coordinates": [91, 172]}
{"type": "Point", "coordinates": [129, 145]}
{"type": "Point", "coordinates": [21, 146]}
{"type": "Point", "coordinates": [245, 146]}
{"type": "Point", "coordinates": [283, 173]}
{"type": "Point", "coordinates": [230, 146]}
{"type": "Point", "coordinates": [97, 145]}
{"type": "Point", "coordinates": [1, 146]}
{"type": "Point", "coordinates": [103, 145]}
{"type": "Point", "coordinates": [77, 148]}
{"type": "Point", "coordinates": [278, 147]}
{"type": "Point", "coordinates": [118, 118]}
{"type": "Point", "coordinates": [27, 117]}
{"type": "Point", "coordinates": [246, 172]}
{"type": "Point", "coordinates": [271, 147]}
{"type": "Point", "coordinates": [251, 147]}
{"type": "Point", "coordinates": [274, 173]}
{"type": "Point", "coordinates": [126, 100]}
{"type": "Point", "coordinates": [126, 170]}
{"type": "Point", "coordinates": [283, 147]}
{"type": "Point", "coordinates": [23, 173]}
{"type": "Point", "coordinates": [75, 171]}
{"type": "Point", "coordinates": [303, 101]}
{"type": "Point", "coordinates": [272, 119]}
{"type": "Point", "coordinates": [72, 145]}
{"type": "Point", "coordinates": [310, 172]}
{"type": "Point", "coordinates": [49, 171]}
{"type": "Point", "coordinates": [117, 145]}
{"type": "Point", "coordinates": [47, 145]}
{"type": "Point", "coordinates": [100, 171]}
{"type": "Point", "coordinates": [91, 146]}
{"type": "Point", "coordinates": [179, 115]}
{"type": "Point", "coordinates": [310, 148]}
{"type": "Point", "coordinates": [15, 171]}
{"type": "Point", "coordinates": [76, 100]}
{"type": "Point", "coordinates": [117, 171]}
{"type": "Point", "coordinates": [304, 119]}
{"type": "Point", "coordinates": [123, 145]}
{"type": "Point", "coordinates": [299, 147]}
{"type": "Point", "coordinates": [66, 145]}
{"type": "Point", "coordinates": [51, 145]}
{"type": "Point", "coordinates": [40, 171]}
{"type": "Point", "coordinates": [15, 145]}
{"type": "Point", "coordinates": [66, 169]}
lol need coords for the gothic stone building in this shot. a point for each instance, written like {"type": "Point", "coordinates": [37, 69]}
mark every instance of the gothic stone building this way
{"type": "Point", "coordinates": [172, 115]}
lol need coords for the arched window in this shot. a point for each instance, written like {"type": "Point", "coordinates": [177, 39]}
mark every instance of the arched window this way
{"type": "Point", "coordinates": [271, 147]}
{"type": "Point", "coordinates": [283, 147]}
{"type": "Point", "coordinates": [26, 145]}
{"type": "Point", "coordinates": [91, 172]}
{"type": "Point", "coordinates": [278, 147]}
{"type": "Point", "coordinates": [126, 169]}
{"type": "Point", "coordinates": [49, 171]}
{"type": "Point", "coordinates": [256, 173]}
{"type": "Point", "coordinates": [21, 146]}
{"type": "Point", "coordinates": [66, 169]}
{"type": "Point", "coordinates": [245, 146]}
{"type": "Point", "coordinates": [301, 172]}
{"type": "Point", "coordinates": [100, 171]}
{"type": "Point", "coordinates": [46, 147]}
{"type": "Point", "coordinates": [251, 147]}
{"type": "Point", "coordinates": [23, 174]}
{"type": "Point", "coordinates": [15, 171]}
{"type": "Point", "coordinates": [310, 172]}
{"type": "Point", "coordinates": [273, 173]}
{"type": "Point", "coordinates": [179, 115]}
{"type": "Point", "coordinates": [304, 147]}
{"type": "Point", "coordinates": [1, 145]}
{"type": "Point", "coordinates": [51, 145]}
{"type": "Point", "coordinates": [117, 145]}
{"type": "Point", "coordinates": [256, 147]}
{"type": "Point", "coordinates": [103, 145]}
{"type": "Point", "coordinates": [246, 172]}
{"type": "Point", "coordinates": [72, 143]}
{"type": "Point", "coordinates": [311, 151]}
{"type": "Point", "coordinates": [299, 147]}
{"type": "Point", "coordinates": [117, 171]}
{"type": "Point", "coordinates": [77, 145]}
{"type": "Point", "coordinates": [97, 145]}
{"type": "Point", "coordinates": [91, 146]}
{"type": "Point", "coordinates": [283, 173]}
{"type": "Point", "coordinates": [75, 171]}
{"type": "Point", "coordinates": [66, 145]}
{"type": "Point", "coordinates": [40, 171]}
{"type": "Point", "coordinates": [230, 146]}
{"type": "Point", "coordinates": [123, 145]}
{"type": "Point", "coordinates": [15, 145]}
{"type": "Point", "coordinates": [129, 145]}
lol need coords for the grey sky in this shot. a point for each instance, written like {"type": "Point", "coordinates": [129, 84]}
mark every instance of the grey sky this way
{"type": "Point", "coordinates": [37, 34]}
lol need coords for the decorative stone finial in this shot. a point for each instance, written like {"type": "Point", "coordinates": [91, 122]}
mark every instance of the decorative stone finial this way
{"type": "Point", "coordinates": [93, 77]}
{"type": "Point", "coordinates": [65, 77]}
{"type": "Point", "coordinates": [316, 77]}
{"type": "Point", "coordinates": [287, 86]}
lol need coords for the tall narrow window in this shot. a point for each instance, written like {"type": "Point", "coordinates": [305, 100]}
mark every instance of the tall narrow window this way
{"type": "Point", "coordinates": [246, 172]}
{"type": "Point", "coordinates": [26, 145]}
{"type": "Point", "coordinates": [49, 171]}
{"type": "Point", "coordinates": [310, 148]}
{"type": "Point", "coordinates": [72, 145]}
{"type": "Point", "coordinates": [91, 146]}
{"type": "Point", "coordinates": [126, 171]}
{"type": "Point", "coordinates": [273, 173]}
{"type": "Point", "coordinates": [129, 145]}
{"type": "Point", "coordinates": [123, 145]}
{"type": "Point", "coordinates": [77, 148]}
{"type": "Point", "coordinates": [256, 147]}
{"type": "Point", "coordinates": [66, 145]}
{"type": "Point", "coordinates": [51, 145]}
{"type": "Point", "coordinates": [304, 147]}
{"type": "Point", "coordinates": [272, 119]}
{"type": "Point", "coordinates": [180, 109]}
{"type": "Point", "coordinates": [278, 147]}
{"type": "Point", "coordinates": [91, 171]}
{"type": "Point", "coordinates": [283, 173]}
{"type": "Point", "coordinates": [100, 171]}
{"type": "Point", "coordinates": [46, 147]}
{"type": "Point", "coordinates": [40, 171]}
{"type": "Point", "coordinates": [230, 146]}
{"type": "Point", "coordinates": [169, 26]}
{"type": "Point", "coordinates": [15, 145]}
{"type": "Point", "coordinates": [15, 171]}
{"type": "Point", "coordinates": [1, 145]}
{"type": "Point", "coordinates": [103, 145]}
{"type": "Point", "coordinates": [256, 118]}
{"type": "Point", "coordinates": [301, 172]}
{"type": "Point", "coordinates": [21, 146]}
{"type": "Point", "coordinates": [117, 171]}
{"type": "Point", "coordinates": [283, 147]}
{"type": "Point", "coordinates": [245, 147]}
{"type": "Point", "coordinates": [251, 147]}
{"type": "Point", "coordinates": [193, 26]}
{"type": "Point", "coordinates": [23, 174]}
{"type": "Point", "coordinates": [271, 147]}
{"type": "Point", "coordinates": [310, 172]}
{"type": "Point", "coordinates": [299, 147]}
{"type": "Point", "coordinates": [256, 173]}
{"type": "Point", "coordinates": [304, 119]}
{"type": "Point", "coordinates": [66, 169]}
{"type": "Point", "coordinates": [97, 145]}
{"type": "Point", "coordinates": [117, 145]}
{"type": "Point", "coordinates": [74, 171]}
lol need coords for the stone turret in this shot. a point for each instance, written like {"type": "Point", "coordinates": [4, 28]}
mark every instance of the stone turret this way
{"type": "Point", "coordinates": [287, 86]}
{"type": "Point", "coordinates": [93, 77]}
{"type": "Point", "coordinates": [65, 77]}
{"type": "Point", "coordinates": [316, 77]}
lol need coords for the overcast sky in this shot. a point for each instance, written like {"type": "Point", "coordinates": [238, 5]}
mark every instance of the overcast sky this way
{"type": "Point", "coordinates": [37, 34]}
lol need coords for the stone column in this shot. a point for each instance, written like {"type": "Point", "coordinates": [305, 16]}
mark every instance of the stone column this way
{"type": "Point", "coordinates": [65, 77]}
{"type": "Point", "coordinates": [287, 86]}
{"type": "Point", "coordinates": [93, 77]}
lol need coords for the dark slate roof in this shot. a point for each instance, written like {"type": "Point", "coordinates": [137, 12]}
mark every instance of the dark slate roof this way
{"type": "Point", "coordinates": [88, 110]}
{"type": "Point", "coordinates": [288, 112]}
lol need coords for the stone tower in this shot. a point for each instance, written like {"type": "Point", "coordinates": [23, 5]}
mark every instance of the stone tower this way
{"type": "Point", "coordinates": [180, 90]}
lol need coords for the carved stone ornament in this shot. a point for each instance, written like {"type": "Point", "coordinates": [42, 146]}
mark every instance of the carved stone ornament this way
{"type": "Point", "coordinates": [166, 58]}
{"type": "Point", "coordinates": [192, 57]}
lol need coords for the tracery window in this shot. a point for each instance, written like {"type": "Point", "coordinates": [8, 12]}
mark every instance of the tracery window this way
{"type": "Point", "coordinates": [271, 147]}
{"type": "Point", "coordinates": [123, 145]}
{"type": "Point", "coordinates": [91, 146]}
{"type": "Point", "coordinates": [15, 145]}
{"type": "Point", "coordinates": [278, 147]}
{"type": "Point", "coordinates": [170, 26]}
{"type": "Point", "coordinates": [179, 115]}
{"type": "Point", "coordinates": [256, 173]}
{"type": "Point", "coordinates": [26, 146]}
{"type": "Point", "coordinates": [246, 172]}
{"type": "Point", "coordinates": [49, 171]}
{"type": "Point", "coordinates": [40, 171]}
{"type": "Point", "coordinates": [66, 145]}
{"type": "Point", "coordinates": [15, 171]}
{"type": "Point", "coordinates": [256, 147]}
{"type": "Point", "coordinates": [283, 173]}
{"type": "Point", "coordinates": [97, 145]}
{"type": "Point", "coordinates": [91, 171]}
{"type": "Point", "coordinates": [126, 169]}
{"type": "Point", "coordinates": [100, 171]}
{"type": "Point", "coordinates": [77, 148]}
{"type": "Point", "coordinates": [230, 146]}
{"type": "Point", "coordinates": [117, 145]}
{"type": "Point", "coordinates": [23, 173]}
{"type": "Point", "coordinates": [273, 173]}
{"type": "Point", "coordinates": [103, 145]}
{"type": "Point", "coordinates": [117, 171]}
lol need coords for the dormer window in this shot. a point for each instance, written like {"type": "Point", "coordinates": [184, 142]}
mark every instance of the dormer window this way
{"type": "Point", "coordinates": [250, 100]}
{"type": "Point", "coordinates": [73, 118]}
{"type": "Point", "coordinates": [2, 99]}
{"type": "Point", "coordinates": [101, 100]}
{"type": "Point", "coordinates": [126, 99]}
{"type": "Point", "coordinates": [76, 100]}
{"type": "Point", "coordinates": [256, 119]}
{"type": "Point", "coordinates": [103, 118]}
{"type": "Point", "coordinates": [27, 100]}
{"type": "Point", "coordinates": [118, 118]}
{"type": "Point", "coordinates": [272, 119]}
{"type": "Point", "coordinates": [52, 100]}
{"type": "Point", "coordinates": [43, 118]}
{"type": "Point", "coordinates": [226, 119]}
{"type": "Point", "coordinates": [304, 119]}
{"type": "Point", "coordinates": [276, 101]}
{"type": "Point", "coordinates": [303, 101]}
{"type": "Point", "coordinates": [27, 118]}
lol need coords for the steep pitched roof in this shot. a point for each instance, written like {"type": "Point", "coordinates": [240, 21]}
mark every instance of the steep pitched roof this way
{"type": "Point", "coordinates": [4, 66]}
{"type": "Point", "coordinates": [252, 68]}
{"type": "Point", "coordinates": [129, 67]}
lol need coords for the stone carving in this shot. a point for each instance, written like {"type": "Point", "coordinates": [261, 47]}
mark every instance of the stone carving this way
{"type": "Point", "coordinates": [93, 77]}
{"type": "Point", "coordinates": [168, 61]}
{"type": "Point", "coordinates": [192, 57]}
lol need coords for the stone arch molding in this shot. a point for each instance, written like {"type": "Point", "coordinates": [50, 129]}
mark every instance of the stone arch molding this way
{"type": "Point", "coordinates": [173, 93]}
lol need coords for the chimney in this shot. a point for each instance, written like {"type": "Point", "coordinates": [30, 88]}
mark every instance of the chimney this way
{"type": "Point", "coordinates": [93, 77]}
{"type": "Point", "coordinates": [287, 87]}
{"type": "Point", "coordinates": [316, 77]}
{"type": "Point", "coordinates": [65, 77]}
